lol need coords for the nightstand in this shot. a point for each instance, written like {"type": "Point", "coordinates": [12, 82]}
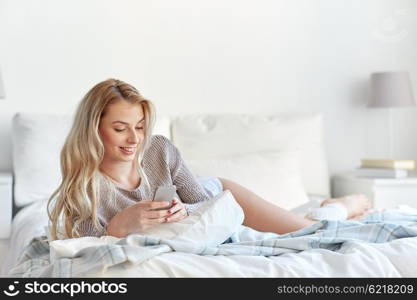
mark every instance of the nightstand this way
{"type": "Point", "coordinates": [5, 214]}
{"type": "Point", "coordinates": [383, 192]}
{"type": "Point", "coordinates": [5, 205]}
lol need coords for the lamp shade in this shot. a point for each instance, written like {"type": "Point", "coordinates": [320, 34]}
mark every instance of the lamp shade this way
{"type": "Point", "coordinates": [391, 89]}
{"type": "Point", "coordinates": [2, 91]}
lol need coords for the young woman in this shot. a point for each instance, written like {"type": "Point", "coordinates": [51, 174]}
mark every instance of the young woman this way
{"type": "Point", "coordinates": [111, 166]}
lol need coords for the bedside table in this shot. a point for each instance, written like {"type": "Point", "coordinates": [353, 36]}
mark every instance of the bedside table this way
{"type": "Point", "coordinates": [5, 204]}
{"type": "Point", "coordinates": [5, 215]}
{"type": "Point", "coordinates": [383, 192]}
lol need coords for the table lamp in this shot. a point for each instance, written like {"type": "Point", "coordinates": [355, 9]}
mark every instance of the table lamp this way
{"type": "Point", "coordinates": [388, 90]}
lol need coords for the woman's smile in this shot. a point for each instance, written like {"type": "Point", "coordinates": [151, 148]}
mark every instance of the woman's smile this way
{"type": "Point", "coordinates": [128, 150]}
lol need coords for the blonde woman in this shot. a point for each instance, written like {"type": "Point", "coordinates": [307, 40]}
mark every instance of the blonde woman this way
{"type": "Point", "coordinates": [111, 166]}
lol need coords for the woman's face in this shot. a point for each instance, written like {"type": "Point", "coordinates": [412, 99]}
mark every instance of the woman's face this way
{"type": "Point", "coordinates": [122, 130]}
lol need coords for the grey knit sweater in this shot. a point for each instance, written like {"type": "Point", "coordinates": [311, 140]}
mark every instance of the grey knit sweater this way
{"type": "Point", "coordinates": [163, 165]}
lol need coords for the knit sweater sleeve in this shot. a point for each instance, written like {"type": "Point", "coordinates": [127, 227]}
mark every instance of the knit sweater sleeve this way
{"type": "Point", "coordinates": [192, 194]}
{"type": "Point", "coordinates": [87, 228]}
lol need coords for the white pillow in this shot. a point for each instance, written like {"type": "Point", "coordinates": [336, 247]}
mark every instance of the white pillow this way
{"type": "Point", "coordinates": [210, 225]}
{"type": "Point", "coordinates": [274, 176]}
{"type": "Point", "coordinates": [37, 143]}
{"type": "Point", "coordinates": [202, 136]}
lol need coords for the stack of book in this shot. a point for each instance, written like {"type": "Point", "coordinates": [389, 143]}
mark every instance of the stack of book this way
{"type": "Point", "coordinates": [385, 168]}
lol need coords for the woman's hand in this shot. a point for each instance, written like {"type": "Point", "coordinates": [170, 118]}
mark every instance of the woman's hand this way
{"type": "Point", "coordinates": [140, 217]}
{"type": "Point", "coordinates": [177, 212]}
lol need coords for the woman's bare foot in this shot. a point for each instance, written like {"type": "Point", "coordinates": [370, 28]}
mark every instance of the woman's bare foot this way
{"type": "Point", "coordinates": [356, 205]}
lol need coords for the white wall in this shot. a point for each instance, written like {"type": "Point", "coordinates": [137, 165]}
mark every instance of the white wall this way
{"type": "Point", "coordinates": [188, 56]}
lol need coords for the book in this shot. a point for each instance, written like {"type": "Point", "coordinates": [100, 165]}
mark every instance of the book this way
{"type": "Point", "coordinates": [405, 164]}
{"type": "Point", "coordinates": [381, 173]}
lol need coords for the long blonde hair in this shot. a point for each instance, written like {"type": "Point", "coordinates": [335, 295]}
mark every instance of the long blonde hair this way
{"type": "Point", "coordinates": [77, 197]}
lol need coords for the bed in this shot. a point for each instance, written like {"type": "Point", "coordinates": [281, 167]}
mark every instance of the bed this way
{"type": "Point", "coordinates": [285, 153]}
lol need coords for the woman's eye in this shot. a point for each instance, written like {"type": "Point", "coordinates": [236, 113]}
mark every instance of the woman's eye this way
{"type": "Point", "coordinates": [118, 130]}
{"type": "Point", "coordinates": [139, 128]}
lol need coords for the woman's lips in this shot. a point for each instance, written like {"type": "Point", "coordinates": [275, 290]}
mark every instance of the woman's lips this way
{"type": "Point", "coordinates": [128, 150]}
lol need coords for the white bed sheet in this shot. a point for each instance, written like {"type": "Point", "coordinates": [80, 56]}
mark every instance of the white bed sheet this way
{"type": "Point", "coordinates": [356, 260]}
{"type": "Point", "coordinates": [28, 223]}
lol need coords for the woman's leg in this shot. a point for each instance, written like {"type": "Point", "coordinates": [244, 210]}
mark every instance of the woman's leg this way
{"type": "Point", "coordinates": [267, 217]}
{"type": "Point", "coordinates": [263, 215]}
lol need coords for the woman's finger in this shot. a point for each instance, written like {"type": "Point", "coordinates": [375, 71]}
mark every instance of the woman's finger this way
{"type": "Point", "coordinates": [178, 216]}
{"type": "Point", "coordinates": [156, 214]}
{"type": "Point", "coordinates": [175, 208]}
{"type": "Point", "coordinates": [153, 205]}
{"type": "Point", "coordinates": [155, 221]}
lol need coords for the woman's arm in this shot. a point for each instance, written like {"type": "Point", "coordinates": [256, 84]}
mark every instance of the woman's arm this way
{"type": "Point", "coordinates": [132, 219]}
{"type": "Point", "coordinates": [138, 218]}
{"type": "Point", "coordinates": [188, 188]}
{"type": "Point", "coordinates": [86, 228]}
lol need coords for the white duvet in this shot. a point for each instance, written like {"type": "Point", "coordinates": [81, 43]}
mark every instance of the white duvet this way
{"type": "Point", "coordinates": [355, 259]}
{"type": "Point", "coordinates": [358, 260]}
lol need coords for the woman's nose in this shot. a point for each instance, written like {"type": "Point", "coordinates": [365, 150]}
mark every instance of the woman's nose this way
{"type": "Point", "coordinates": [133, 137]}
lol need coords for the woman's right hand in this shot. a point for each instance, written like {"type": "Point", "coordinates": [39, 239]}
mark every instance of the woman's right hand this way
{"type": "Point", "coordinates": [137, 218]}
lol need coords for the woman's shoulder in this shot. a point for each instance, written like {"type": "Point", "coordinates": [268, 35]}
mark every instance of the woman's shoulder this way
{"type": "Point", "coordinates": [160, 142]}
{"type": "Point", "coordinates": [159, 139]}
{"type": "Point", "coordinates": [159, 146]}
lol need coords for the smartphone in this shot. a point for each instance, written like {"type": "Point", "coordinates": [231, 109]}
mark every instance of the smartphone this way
{"type": "Point", "coordinates": [165, 193]}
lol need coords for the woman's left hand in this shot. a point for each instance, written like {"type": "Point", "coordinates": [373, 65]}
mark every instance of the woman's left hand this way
{"type": "Point", "coordinates": [177, 212]}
